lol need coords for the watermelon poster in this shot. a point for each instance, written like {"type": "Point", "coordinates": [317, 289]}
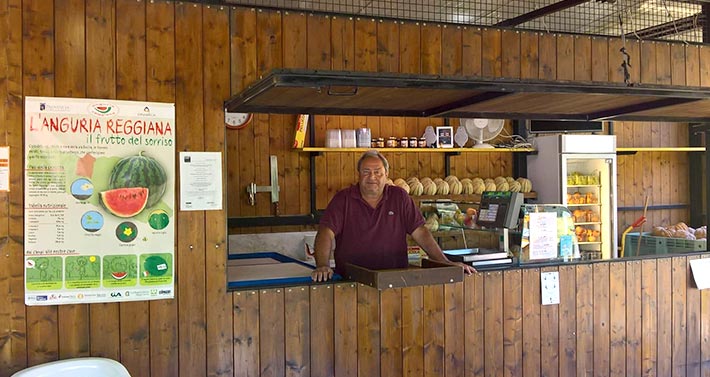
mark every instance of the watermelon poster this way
{"type": "Point", "coordinates": [99, 200]}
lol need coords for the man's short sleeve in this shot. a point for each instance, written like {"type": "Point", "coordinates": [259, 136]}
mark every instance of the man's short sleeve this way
{"type": "Point", "coordinates": [334, 214]}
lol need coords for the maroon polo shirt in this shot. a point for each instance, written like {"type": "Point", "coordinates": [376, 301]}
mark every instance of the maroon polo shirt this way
{"type": "Point", "coordinates": [375, 238]}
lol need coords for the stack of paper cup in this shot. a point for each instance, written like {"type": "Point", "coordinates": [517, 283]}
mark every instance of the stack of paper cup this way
{"type": "Point", "coordinates": [332, 138]}
{"type": "Point", "coordinates": [347, 138]}
{"type": "Point", "coordinates": [363, 138]}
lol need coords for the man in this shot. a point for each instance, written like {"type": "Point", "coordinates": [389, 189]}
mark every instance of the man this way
{"type": "Point", "coordinates": [369, 222]}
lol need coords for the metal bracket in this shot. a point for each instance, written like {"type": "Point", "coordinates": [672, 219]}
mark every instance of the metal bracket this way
{"type": "Point", "coordinates": [252, 188]}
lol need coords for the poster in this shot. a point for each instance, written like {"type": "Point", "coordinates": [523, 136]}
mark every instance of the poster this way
{"type": "Point", "coordinates": [99, 200]}
{"type": "Point", "coordinates": [201, 183]}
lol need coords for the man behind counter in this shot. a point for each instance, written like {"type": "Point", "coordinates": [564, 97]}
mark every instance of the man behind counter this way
{"type": "Point", "coordinates": [369, 222]}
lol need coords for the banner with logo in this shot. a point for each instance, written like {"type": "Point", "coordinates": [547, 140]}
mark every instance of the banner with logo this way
{"type": "Point", "coordinates": [99, 200]}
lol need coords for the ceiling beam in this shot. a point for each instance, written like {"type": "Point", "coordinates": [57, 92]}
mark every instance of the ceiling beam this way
{"type": "Point", "coordinates": [537, 13]}
{"type": "Point", "coordinates": [665, 29]}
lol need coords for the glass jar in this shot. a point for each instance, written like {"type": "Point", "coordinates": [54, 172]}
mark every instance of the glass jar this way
{"type": "Point", "coordinates": [380, 142]}
{"type": "Point", "coordinates": [421, 143]}
{"type": "Point", "coordinates": [404, 142]}
{"type": "Point", "coordinates": [391, 142]}
{"type": "Point", "coordinates": [412, 142]}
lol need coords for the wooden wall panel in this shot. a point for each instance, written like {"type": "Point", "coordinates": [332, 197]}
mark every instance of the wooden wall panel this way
{"type": "Point", "coordinates": [528, 355]}
{"type": "Point", "coordinates": [345, 329]}
{"type": "Point", "coordinates": [368, 334]}
{"type": "Point", "coordinates": [693, 324]}
{"type": "Point", "coordinates": [510, 54]}
{"type": "Point", "coordinates": [602, 317]}
{"type": "Point", "coordinates": [433, 332]}
{"type": "Point", "coordinates": [649, 317]}
{"type": "Point", "coordinates": [475, 326]}
{"type": "Point", "coordinates": [160, 46]}
{"type": "Point", "coordinates": [272, 333]}
{"type": "Point", "coordinates": [131, 84]}
{"type": "Point", "coordinates": [617, 317]}
{"type": "Point", "coordinates": [297, 351]}
{"type": "Point", "coordinates": [391, 333]}
{"type": "Point", "coordinates": [216, 77]}
{"type": "Point", "coordinates": [529, 55]}
{"type": "Point", "coordinates": [13, 316]}
{"type": "Point", "coordinates": [190, 251]}
{"type": "Point", "coordinates": [413, 323]}
{"type": "Point", "coordinates": [453, 329]}
{"type": "Point", "coordinates": [491, 53]}
{"type": "Point", "coordinates": [101, 83]}
{"type": "Point", "coordinates": [585, 319]}
{"type": "Point", "coordinates": [493, 318]}
{"type": "Point", "coordinates": [322, 320]}
{"type": "Point", "coordinates": [600, 59]}
{"type": "Point", "coordinates": [245, 327]}
{"type": "Point", "coordinates": [38, 80]}
{"type": "Point", "coordinates": [583, 58]}
{"type": "Point", "coordinates": [70, 68]}
{"type": "Point", "coordinates": [546, 359]}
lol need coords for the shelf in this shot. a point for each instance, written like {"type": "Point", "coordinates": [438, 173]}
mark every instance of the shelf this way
{"type": "Point", "coordinates": [583, 205]}
{"type": "Point", "coordinates": [661, 149]}
{"type": "Point", "coordinates": [415, 150]}
{"type": "Point", "coordinates": [590, 243]}
{"type": "Point", "coordinates": [583, 186]}
{"type": "Point", "coordinates": [463, 198]}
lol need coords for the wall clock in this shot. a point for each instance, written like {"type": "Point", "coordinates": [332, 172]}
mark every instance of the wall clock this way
{"type": "Point", "coordinates": [237, 121]}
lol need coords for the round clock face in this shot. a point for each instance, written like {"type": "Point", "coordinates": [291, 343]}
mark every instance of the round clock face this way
{"type": "Point", "coordinates": [237, 120]}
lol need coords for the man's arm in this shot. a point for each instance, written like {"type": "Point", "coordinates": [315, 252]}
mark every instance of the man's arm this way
{"type": "Point", "coordinates": [422, 236]}
{"type": "Point", "coordinates": [323, 244]}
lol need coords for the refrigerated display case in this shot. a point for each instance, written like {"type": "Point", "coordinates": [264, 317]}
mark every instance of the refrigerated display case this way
{"type": "Point", "coordinates": [579, 171]}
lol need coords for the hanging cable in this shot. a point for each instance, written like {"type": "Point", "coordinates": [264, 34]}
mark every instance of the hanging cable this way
{"type": "Point", "coordinates": [626, 58]}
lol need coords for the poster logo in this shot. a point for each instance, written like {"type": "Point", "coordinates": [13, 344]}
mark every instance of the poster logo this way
{"type": "Point", "coordinates": [103, 109]}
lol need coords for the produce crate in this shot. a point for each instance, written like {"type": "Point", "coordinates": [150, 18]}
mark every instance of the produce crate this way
{"type": "Point", "coordinates": [652, 245]}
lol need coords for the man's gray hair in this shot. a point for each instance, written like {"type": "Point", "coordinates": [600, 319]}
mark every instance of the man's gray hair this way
{"type": "Point", "coordinates": [376, 154]}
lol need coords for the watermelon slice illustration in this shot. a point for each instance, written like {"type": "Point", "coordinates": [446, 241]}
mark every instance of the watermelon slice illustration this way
{"type": "Point", "coordinates": [102, 108]}
{"type": "Point", "coordinates": [119, 275]}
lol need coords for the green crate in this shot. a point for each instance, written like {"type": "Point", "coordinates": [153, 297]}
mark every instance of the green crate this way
{"type": "Point", "coordinates": [652, 245]}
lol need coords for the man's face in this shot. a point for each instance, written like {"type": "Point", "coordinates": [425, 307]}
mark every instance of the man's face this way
{"type": "Point", "coordinates": [373, 176]}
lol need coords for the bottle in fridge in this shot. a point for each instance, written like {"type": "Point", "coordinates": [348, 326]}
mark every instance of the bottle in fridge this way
{"type": "Point", "coordinates": [579, 171]}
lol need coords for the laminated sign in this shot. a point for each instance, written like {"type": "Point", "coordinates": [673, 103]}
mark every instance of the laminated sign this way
{"type": "Point", "coordinates": [99, 200]}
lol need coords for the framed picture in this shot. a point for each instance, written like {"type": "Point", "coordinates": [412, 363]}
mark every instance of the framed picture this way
{"type": "Point", "coordinates": [445, 137]}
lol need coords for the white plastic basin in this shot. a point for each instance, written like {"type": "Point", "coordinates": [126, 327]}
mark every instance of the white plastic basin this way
{"type": "Point", "coordinates": [77, 367]}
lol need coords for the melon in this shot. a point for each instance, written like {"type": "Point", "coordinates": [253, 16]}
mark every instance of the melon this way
{"type": "Point", "coordinates": [125, 202]}
{"type": "Point", "coordinates": [140, 171]}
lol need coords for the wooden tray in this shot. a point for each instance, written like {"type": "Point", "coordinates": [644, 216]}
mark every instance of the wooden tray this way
{"type": "Point", "coordinates": [430, 273]}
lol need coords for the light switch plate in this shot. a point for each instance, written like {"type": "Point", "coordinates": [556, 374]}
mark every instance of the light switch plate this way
{"type": "Point", "coordinates": [550, 286]}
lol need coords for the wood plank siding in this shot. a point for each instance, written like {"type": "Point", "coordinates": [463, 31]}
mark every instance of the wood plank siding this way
{"type": "Point", "coordinates": [615, 318]}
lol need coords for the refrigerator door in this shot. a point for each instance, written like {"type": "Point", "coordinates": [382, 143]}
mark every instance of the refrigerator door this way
{"type": "Point", "coordinates": [588, 189]}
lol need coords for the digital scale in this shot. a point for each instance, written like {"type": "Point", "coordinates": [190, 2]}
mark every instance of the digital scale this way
{"type": "Point", "coordinates": [499, 209]}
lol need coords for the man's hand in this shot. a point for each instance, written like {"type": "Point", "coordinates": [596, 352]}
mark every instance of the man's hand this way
{"type": "Point", "coordinates": [466, 268]}
{"type": "Point", "coordinates": [322, 273]}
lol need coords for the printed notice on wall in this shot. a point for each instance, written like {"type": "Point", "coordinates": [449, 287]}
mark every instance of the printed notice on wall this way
{"type": "Point", "coordinates": [99, 200]}
{"type": "Point", "coordinates": [200, 181]}
{"type": "Point", "coordinates": [4, 168]}
{"type": "Point", "coordinates": [543, 235]}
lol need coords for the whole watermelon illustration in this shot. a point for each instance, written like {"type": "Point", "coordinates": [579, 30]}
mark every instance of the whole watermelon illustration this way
{"type": "Point", "coordinates": [140, 171]}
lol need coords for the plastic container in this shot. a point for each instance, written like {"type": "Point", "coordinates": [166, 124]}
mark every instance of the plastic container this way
{"type": "Point", "coordinates": [347, 139]}
{"type": "Point", "coordinates": [364, 137]}
{"type": "Point", "coordinates": [332, 138]}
